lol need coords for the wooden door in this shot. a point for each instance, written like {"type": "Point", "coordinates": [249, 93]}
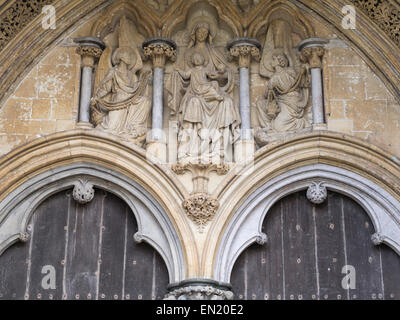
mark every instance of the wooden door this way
{"type": "Point", "coordinates": [82, 252]}
{"type": "Point", "coordinates": [317, 252]}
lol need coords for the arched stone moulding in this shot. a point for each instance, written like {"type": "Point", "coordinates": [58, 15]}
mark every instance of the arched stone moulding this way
{"type": "Point", "coordinates": [245, 226]}
{"type": "Point", "coordinates": [33, 172]}
{"type": "Point", "coordinates": [153, 225]}
{"type": "Point", "coordinates": [360, 160]}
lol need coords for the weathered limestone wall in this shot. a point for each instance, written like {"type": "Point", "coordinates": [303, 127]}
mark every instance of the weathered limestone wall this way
{"type": "Point", "coordinates": [45, 102]}
{"type": "Point", "coordinates": [357, 102]}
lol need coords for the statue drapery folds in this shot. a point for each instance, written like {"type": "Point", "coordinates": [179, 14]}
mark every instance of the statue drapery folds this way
{"type": "Point", "coordinates": [201, 99]}
{"type": "Point", "coordinates": [201, 89]}
{"type": "Point", "coordinates": [282, 109]}
{"type": "Point", "coordinates": [121, 104]}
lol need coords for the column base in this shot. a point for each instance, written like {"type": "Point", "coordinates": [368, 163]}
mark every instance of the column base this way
{"type": "Point", "coordinates": [320, 126]}
{"type": "Point", "coordinates": [84, 125]}
{"type": "Point", "coordinates": [244, 151]}
{"type": "Point", "coordinates": [157, 149]}
{"type": "Point", "coordinates": [199, 289]}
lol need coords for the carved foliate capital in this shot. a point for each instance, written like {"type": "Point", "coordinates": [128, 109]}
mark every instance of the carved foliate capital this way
{"type": "Point", "coordinates": [159, 50]}
{"type": "Point", "coordinates": [89, 55]}
{"type": "Point", "coordinates": [317, 193]}
{"type": "Point", "coordinates": [83, 191]}
{"type": "Point", "coordinates": [244, 50]}
{"type": "Point", "coordinates": [244, 54]}
{"type": "Point", "coordinates": [200, 208]}
{"type": "Point", "coordinates": [313, 56]}
{"type": "Point", "coordinates": [90, 49]}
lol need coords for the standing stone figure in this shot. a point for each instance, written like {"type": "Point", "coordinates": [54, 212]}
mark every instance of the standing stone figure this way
{"type": "Point", "coordinates": [119, 104]}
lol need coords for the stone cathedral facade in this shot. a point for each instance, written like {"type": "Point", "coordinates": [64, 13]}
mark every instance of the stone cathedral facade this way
{"type": "Point", "coordinates": [187, 149]}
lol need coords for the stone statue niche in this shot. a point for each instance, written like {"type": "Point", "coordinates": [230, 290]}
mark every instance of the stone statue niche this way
{"type": "Point", "coordinates": [121, 103]}
{"type": "Point", "coordinates": [201, 96]}
{"type": "Point", "coordinates": [282, 110]}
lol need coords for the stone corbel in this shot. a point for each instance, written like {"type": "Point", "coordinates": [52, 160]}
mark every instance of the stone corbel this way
{"type": "Point", "coordinates": [200, 206]}
{"type": "Point", "coordinates": [83, 191]}
{"type": "Point", "coordinates": [317, 192]}
{"type": "Point", "coordinates": [377, 238]}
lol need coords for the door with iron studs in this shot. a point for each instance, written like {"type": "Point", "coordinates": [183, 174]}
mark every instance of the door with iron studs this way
{"type": "Point", "coordinates": [82, 252]}
{"type": "Point", "coordinates": [317, 252]}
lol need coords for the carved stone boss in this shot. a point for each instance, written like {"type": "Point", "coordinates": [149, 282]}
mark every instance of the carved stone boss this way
{"type": "Point", "coordinates": [312, 50]}
{"type": "Point", "coordinates": [159, 50]}
{"type": "Point", "coordinates": [90, 49]}
{"type": "Point", "coordinates": [244, 50]}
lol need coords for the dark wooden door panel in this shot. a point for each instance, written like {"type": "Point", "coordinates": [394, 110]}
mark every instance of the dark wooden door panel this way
{"type": "Point", "coordinates": [317, 252]}
{"type": "Point", "coordinates": [391, 273]}
{"type": "Point", "coordinates": [330, 248]}
{"type": "Point", "coordinates": [13, 272]}
{"type": "Point", "coordinates": [299, 263]}
{"type": "Point", "coordinates": [82, 252]}
{"type": "Point", "coordinates": [48, 240]}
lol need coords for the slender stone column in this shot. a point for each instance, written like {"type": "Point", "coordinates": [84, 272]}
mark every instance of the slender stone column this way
{"type": "Point", "coordinates": [244, 50]}
{"type": "Point", "coordinates": [312, 50]}
{"type": "Point", "coordinates": [90, 49]}
{"type": "Point", "coordinates": [159, 50]}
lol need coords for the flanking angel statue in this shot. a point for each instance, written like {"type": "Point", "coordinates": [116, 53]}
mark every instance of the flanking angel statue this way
{"type": "Point", "coordinates": [283, 108]}
{"type": "Point", "coordinates": [121, 104]}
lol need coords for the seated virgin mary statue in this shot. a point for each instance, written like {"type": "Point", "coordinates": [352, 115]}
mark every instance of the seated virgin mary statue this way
{"type": "Point", "coordinates": [201, 98]}
{"type": "Point", "coordinates": [206, 115]}
{"type": "Point", "coordinates": [119, 105]}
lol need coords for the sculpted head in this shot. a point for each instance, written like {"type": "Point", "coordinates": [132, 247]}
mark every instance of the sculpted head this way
{"type": "Point", "coordinates": [202, 32]}
{"type": "Point", "coordinates": [280, 60]}
{"type": "Point", "coordinates": [198, 59]}
{"type": "Point", "coordinates": [124, 54]}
